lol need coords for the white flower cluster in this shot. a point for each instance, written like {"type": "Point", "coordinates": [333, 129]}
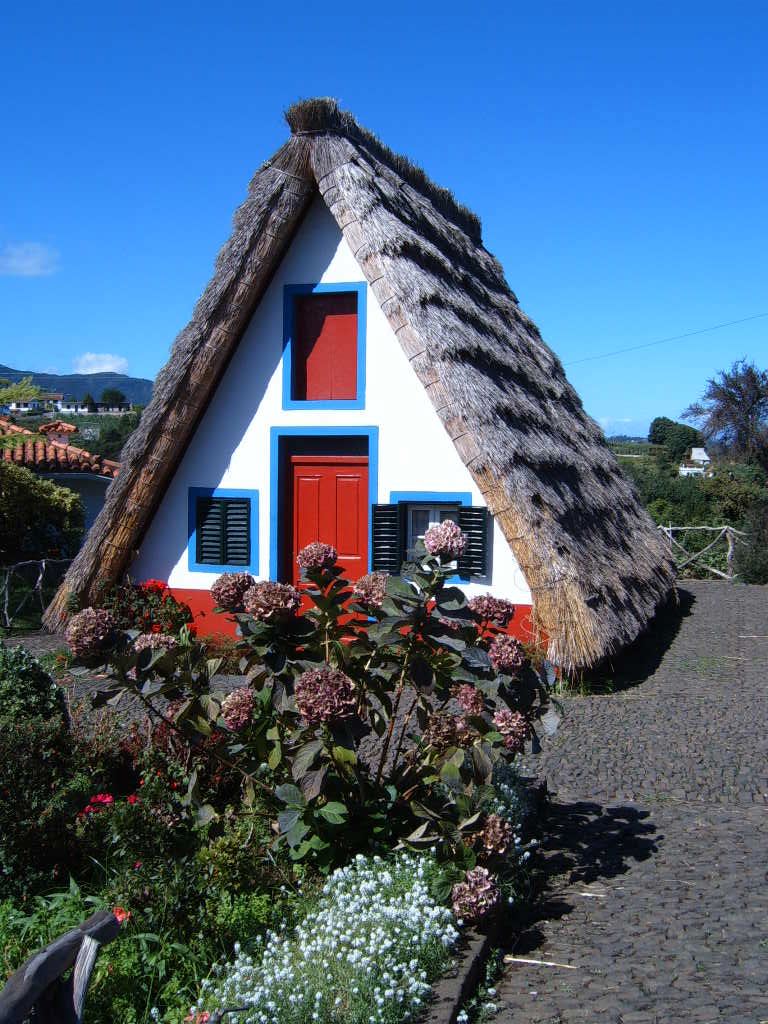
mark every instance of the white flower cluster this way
{"type": "Point", "coordinates": [364, 954]}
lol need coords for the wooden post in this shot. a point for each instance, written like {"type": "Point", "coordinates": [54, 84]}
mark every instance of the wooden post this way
{"type": "Point", "coordinates": [729, 558]}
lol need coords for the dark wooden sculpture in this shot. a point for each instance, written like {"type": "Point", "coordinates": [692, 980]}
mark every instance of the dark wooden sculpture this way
{"type": "Point", "coordinates": [38, 992]}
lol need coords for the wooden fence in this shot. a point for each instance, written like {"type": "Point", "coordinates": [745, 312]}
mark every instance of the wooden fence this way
{"type": "Point", "coordinates": [724, 542]}
{"type": "Point", "coordinates": [24, 583]}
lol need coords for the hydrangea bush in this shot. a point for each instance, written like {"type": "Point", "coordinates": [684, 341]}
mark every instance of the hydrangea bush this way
{"type": "Point", "coordinates": [364, 954]}
{"type": "Point", "coordinates": [372, 719]}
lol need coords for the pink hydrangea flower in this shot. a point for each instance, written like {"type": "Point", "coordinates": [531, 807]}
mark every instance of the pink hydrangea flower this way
{"type": "Point", "coordinates": [446, 540]}
{"type": "Point", "coordinates": [497, 836]}
{"type": "Point", "coordinates": [492, 609]}
{"type": "Point", "coordinates": [325, 695]}
{"type": "Point", "coordinates": [229, 590]}
{"type": "Point", "coordinates": [476, 897]}
{"type": "Point", "coordinates": [154, 642]}
{"type": "Point", "coordinates": [237, 708]}
{"type": "Point", "coordinates": [317, 556]}
{"type": "Point", "coordinates": [266, 600]}
{"type": "Point", "coordinates": [470, 699]}
{"type": "Point", "coordinates": [90, 632]}
{"type": "Point", "coordinates": [371, 589]}
{"type": "Point", "coordinates": [507, 654]}
{"type": "Point", "coordinates": [514, 729]}
{"type": "Point", "coordinates": [444, 731]}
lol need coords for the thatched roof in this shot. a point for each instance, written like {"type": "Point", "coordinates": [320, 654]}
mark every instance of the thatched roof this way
{"type": "Point", "coordinates": [595, 564]}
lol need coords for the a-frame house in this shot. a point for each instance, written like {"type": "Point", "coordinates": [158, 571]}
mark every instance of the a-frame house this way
{"type": "Point", "coordinates": [357, 369]}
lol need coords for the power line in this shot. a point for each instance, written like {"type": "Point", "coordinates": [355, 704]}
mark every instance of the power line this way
{"type": "Point", "coordinates": [661, 341]}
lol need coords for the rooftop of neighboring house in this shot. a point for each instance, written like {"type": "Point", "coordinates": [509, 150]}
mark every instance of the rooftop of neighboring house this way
{"type": "Point", "coordinates": [48, 456]}
{"type": "Point", "coordinates": [699, 455]}
{"type": "Point", "coordinates": [58, 427]}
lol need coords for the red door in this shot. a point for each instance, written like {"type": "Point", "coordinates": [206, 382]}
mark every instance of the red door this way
{"type": "Point", "coordinates": [329, 503]}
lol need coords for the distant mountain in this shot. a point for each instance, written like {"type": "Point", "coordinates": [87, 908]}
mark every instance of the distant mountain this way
{"type": "Point", "coordinates": [137, 390]}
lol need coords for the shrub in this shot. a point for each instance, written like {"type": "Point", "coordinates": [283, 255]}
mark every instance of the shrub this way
{"type": "Point", "coordinates": [38, 793]}
{"type": "Point", "coordinates": [349, 731]}
{"type": "Point", "coordinates": [149, 607]}
{"type": "Point", "coordinates": [38, 519]}
{"type": "Point", "coordinates": [26, 689]}
{"type": "Point", "coordinates": [751, 556]}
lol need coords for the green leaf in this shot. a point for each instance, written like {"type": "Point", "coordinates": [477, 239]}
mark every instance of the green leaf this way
{"type": "Point", "coordinates": [213, 665]}
{"type": "Point", "coordinates": [290, 795]}
{"type": "Point", "coordinates": [451, 776]}
{"type": "Point", "coordinates": [287, 819]}
{"type": "Point", "coordinates": [476, 657]}
{"type": "Point", "coordinates": [397, 587]}
{"type": "Point", "coordinates": [275, 756]}
{"type": "Point", "coordinates": [302, 762]}
{"type": "Point", "coordinates": [343, 755]}
{"type": "Point", "coordinates": [297, 833]}
{"type": "Point", "coordinates": [334, 812]}
{"type": "Point", "coordinates": [204, 814]}
{"type": "Point", "coordinates": [451, 599]}
{"type": "Point", "coordinates": [312, 783]}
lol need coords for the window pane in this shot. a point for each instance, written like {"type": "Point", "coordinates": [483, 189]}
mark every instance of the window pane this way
{"type": "Point", "coordinates": [420, 520]}
{"type": "Point", "coordinates": [449, 513]}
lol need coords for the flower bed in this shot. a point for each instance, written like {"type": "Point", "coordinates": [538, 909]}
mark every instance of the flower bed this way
{"type": "Point", "coordinates": [386, 717]}
{"type": "Point", "coordinates": [364, 954]}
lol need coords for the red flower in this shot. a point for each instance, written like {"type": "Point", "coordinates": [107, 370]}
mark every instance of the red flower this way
{"type": "Point", "coordinates": [153, 586]}
{"type": "Point", "coordinates": [121, 914]}
{"type": "Point", "coordinates": [132, 799]}
{"type": "Point", "coordinates": [156, 628]}
{"type": "Point", "coordinates": [137, 865]}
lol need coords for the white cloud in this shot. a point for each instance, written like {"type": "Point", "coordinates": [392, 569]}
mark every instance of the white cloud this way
{"type": "Point", "coordinates": [28, 259]}
{"type": "Point", "coordinates": [100, 362]}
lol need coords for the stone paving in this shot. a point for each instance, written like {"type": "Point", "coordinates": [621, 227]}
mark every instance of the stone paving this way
{"type": "Point", "coordinates": [655, 905]}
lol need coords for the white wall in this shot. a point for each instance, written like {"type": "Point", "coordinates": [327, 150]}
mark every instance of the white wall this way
{"type": "Point", "coordinates": [231, 448]}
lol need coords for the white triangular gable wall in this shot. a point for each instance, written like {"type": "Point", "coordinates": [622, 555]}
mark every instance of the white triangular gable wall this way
{"type": "Point", "coordinates": [231, 447]}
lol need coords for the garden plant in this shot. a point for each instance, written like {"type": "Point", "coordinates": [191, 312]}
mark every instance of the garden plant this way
{"type": "Point", "coordinates": [377, 720]}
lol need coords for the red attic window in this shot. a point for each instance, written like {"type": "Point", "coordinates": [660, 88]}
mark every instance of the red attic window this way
{"type": "Point", "coordinates": [324, 350]}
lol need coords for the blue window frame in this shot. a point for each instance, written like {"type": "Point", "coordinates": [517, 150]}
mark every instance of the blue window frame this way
{"type": "Point", "coordinates": [290, 291]}
{"type": "Point", "coordinates": [195, 495]}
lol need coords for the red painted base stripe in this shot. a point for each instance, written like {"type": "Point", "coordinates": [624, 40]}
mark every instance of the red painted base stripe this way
{"type": "Point", "coordinates": [208, 623]}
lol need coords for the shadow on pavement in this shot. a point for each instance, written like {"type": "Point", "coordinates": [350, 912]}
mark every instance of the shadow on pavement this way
{"type": "Point", "coordinates": [640, 660]}
{"type": "Point", "coordinates": [584, 842]}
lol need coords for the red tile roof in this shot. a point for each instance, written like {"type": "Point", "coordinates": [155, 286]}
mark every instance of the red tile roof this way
{"type": "Point", "coordinates": [53, 456]}
{"type": "Point", "coordinates": [58, 427]}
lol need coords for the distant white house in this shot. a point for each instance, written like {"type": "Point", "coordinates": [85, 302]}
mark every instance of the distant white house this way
{"type": "Point", "coordinates": [39, 404]}
{"type": "Point", "coordinates": [69, 406]}
{"type": "Point", "coordinates": [697, 463]}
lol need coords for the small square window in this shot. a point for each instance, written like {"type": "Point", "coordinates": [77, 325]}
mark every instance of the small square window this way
{"type": "Point", "coordinates": [422, 517]}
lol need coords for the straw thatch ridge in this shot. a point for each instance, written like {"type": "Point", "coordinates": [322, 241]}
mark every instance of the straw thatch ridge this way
{"type": "Point", "coordinates": [593, 559]}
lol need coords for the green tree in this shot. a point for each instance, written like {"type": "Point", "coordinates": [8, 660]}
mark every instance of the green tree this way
{"type": "Point", "coordinates": [89, 402]}
{"type": "Point", "coordinates": [23, 391]}
{"type": "Point", "coordinates": [677, 438]}
{"type": "Point", "coordinates": [113, 438]}
{"type": "Point", "coordinates": [112, 396]}
{"type": "Point", "coordinates": [733, 412]}
{"type": "Point", "coordinates": [37, 518]}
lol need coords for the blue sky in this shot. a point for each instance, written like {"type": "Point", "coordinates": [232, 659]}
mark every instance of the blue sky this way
{"type": "Point", "coordinates": [616, 154]}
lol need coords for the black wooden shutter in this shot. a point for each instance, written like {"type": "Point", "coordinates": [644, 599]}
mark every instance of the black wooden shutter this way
{"type": "Point", "coordinates": [237, 535]}
{"type": "Point", "coordinates": [473, 520]}
{"type": "Point", "coordinates": [223, 531]}
{"type": "Point", "coordinates": [388, 533]}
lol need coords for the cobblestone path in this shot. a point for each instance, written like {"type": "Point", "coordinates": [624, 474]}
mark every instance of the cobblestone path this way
{"type": "Point", "coordinates": [655, 903]}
